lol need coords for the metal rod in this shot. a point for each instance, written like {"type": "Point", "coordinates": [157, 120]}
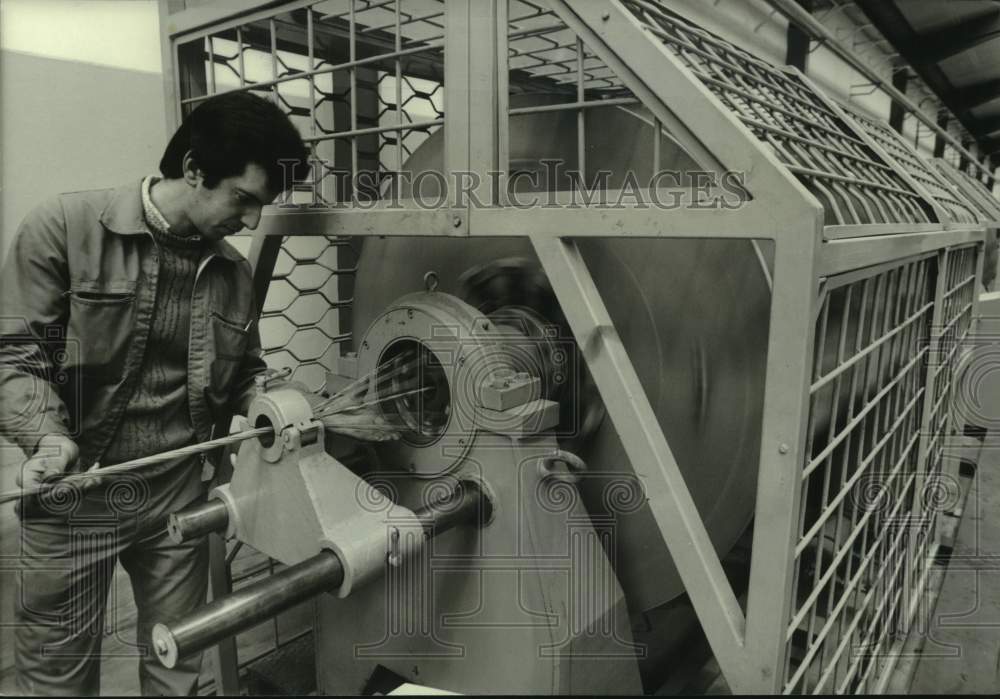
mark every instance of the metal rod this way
{"type": "Point", "coordinates": [323, 572]}
{"type": "Point", "coordinates": [502, 60]}
{"type": "Point", "coordinates": [412, 126]}
{"type": "Point", "coordinates": [368, 404]}
{"type": "Point", "coordinates": [136, 464]}
{"type": "Point", "coordinates": [313, 119]}
{"type": "Point", "coordinates": [353, 56]}
{"type": "Point", "coordinates": [241, 59]}
{"type": "Point", "coordinates": [210, 50]}
{"type": "Point", "coordinates": [358, 383]}
{"type": "Point", "coordinates": [812, 173]}
{"type": "Point", "coordinates": [581, 123]}
{"type": "Point", "coordinates": [247, 607]}
{"type": "Point", "coordinates": [581, 104]}
{"type": "Point", "coordinates": [192, 522]}
{"type": "Point", "coordinates": [274, 60]}
{"type": "Point", "coordinates": [399, 94]}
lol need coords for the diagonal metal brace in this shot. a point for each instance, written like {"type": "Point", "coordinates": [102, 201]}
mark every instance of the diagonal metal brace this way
{"type": "Point", "coordinates": [669, 499]}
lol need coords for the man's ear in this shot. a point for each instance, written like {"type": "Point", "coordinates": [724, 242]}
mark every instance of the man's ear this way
{"type": "Point", "coordinates": [192, 173]}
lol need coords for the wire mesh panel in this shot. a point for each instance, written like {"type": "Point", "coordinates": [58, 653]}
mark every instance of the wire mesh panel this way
{"type": "Point", "coordinates": [868, 520]}
{"type": "Point", "coordinates": [930, 179]}
{"type": "Point", "coordinates": [544, 55]}
{"type": "Point", "coordinates": [854, 184]}
{"type": "Point", "coordinates": [551, 70]}
{"type": "Point", "coordinates": [955, 324]}
{"type": "Point", "coordinates": [557, 84]}
{"type": "Point", "coordinates": [860, 476]}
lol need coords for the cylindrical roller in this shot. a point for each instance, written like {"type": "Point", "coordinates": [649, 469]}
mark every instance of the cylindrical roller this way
{"type": "Point", "coordinates": [323, 572]}
{"type": "Point", "coordinates": [466, 505]}
{"type": "Point", "coordinates": [190, 523]}
{"type": "Point", "coordinates": [246, 607]}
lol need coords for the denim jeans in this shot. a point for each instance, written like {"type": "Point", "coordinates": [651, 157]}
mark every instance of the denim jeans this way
{"type": "Point", "coordinates": [68, 550]}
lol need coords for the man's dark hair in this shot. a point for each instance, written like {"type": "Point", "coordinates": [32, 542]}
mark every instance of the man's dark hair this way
{"type": "Point", "coordinates": [227, 132]}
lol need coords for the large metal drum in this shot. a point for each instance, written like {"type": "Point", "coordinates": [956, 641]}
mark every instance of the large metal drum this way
{"type": "Point", "coordinates": [693, 315]}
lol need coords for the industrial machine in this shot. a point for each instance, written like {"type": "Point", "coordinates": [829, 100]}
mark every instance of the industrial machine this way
{"type": "Point", "coordinates": [710, 396]}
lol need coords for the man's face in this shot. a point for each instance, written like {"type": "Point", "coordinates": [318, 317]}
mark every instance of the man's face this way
{"type": "Point", "coordinates": [233, 204]}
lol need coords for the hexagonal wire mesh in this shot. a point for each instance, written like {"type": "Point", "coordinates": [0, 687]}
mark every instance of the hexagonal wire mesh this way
{"type": "Point", "coordinates": [362, 81]}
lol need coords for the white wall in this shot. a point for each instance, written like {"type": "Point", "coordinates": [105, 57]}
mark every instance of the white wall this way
{"type": "Point", "coordinates": [81, 99]}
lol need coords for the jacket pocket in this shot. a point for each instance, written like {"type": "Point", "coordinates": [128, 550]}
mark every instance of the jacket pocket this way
{"type": "Point", "coordinates": [99, 331]}
{"type": "Point", "coordinates": [229, 344]}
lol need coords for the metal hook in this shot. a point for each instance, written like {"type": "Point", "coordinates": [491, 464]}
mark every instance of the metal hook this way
{"type": "Point", "coordinates": [431, 281]}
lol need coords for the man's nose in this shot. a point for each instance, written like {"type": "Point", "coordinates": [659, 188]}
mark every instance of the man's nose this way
{"type": "Point", "coordinates": [251, 218]}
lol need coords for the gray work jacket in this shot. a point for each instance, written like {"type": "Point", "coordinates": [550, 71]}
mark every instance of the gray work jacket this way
{"type": "Point", "coordinates": [77, 296]}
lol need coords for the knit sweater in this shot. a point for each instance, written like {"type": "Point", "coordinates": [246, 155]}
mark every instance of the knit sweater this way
{"type": "Point", "coordinates": [156, 417]}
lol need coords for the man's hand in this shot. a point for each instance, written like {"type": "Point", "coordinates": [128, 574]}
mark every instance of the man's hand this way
{"type": "Point", "coordinates": [54, 455]}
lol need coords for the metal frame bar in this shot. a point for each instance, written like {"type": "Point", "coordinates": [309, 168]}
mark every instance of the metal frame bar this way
{"type": "Point", "coordinates": [647, 449]}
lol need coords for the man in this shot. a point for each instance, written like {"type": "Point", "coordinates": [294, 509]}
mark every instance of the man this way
{"type": "Point", "coordinates": [128, 329]}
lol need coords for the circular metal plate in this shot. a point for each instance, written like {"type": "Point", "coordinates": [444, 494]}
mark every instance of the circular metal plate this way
{"type": "Point", "coordinates": [692, 314]}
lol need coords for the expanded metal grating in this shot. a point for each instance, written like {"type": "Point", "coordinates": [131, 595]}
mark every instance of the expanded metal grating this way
{"type": "Point", "coordinates": [938, 187]}
{"type": "Point", "coordinates": [854, 184]}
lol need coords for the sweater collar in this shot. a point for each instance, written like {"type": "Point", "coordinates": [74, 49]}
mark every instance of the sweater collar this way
{"type": "Point", "coordinates": [124, 215]}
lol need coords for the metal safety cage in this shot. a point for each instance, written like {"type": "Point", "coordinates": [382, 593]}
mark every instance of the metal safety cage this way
{"type": "Point", "coordinates": [874, 273]}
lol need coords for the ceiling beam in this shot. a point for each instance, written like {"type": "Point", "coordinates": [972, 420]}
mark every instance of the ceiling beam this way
{"type": "Point", "coordinates": [942, 121]}
{"type": "Point", "coordinates": [900, 78]}
{"type": "Point", "coordinates": [892, 23]}
{"type": "Point", "coordinates": [971, 96]}
{"type": "Point", "coordinates": [987, 127]}
{"type": "Point", "coordinates": [797, 41]}
{"type": "Point", "coordinates": [936, 46]}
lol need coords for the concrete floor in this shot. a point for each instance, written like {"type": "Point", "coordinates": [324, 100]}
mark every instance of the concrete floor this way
{"type": "Point", "coordinates": [961, 651]}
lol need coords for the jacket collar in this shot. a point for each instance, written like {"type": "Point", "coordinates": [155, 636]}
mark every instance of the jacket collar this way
{"type": "Point", "coordinates": [123, 215]}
